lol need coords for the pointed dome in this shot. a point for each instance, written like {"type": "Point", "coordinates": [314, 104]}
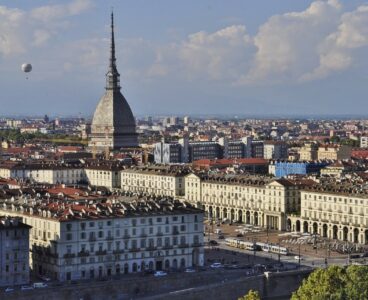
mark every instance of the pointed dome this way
{"type": "Point", "coordinates": [113, 123]}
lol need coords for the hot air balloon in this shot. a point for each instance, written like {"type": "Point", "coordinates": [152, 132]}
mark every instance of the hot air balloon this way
{"type": "Point", "coordinates": [26, 68]}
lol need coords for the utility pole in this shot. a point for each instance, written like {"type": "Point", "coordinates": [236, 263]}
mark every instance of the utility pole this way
{"type": "Point", "coordinates": [299, 255]}
{"type": "Point", "coordinates": [254, 250]}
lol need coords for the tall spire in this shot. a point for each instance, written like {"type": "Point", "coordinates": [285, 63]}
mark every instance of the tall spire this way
{"type": "Point", "coordinates": [112, 75]}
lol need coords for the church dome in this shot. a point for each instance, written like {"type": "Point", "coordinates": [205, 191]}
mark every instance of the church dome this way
{"type": "Point", "coordinates": [113, 123]}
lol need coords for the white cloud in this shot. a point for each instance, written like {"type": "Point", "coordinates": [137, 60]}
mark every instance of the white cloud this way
{"type": "Point", "coordinates": [216, 56]}
{"type": "Point", "coordinates": [338, 49]}
{"type": "Point", "coordinates": [10, 40]}
{"type": "Point", "coordinates": [51, 13]}
{"type": "Point", "coordinates": [287, 45]}
{"type": "Point", "coordinates": [21, 30]}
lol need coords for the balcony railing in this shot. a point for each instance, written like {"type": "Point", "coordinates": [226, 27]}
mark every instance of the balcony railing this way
{"type": "Point", "coordinates": [69, 255]}
{"type": "Point", "coordinates": [183, 245]}
{"type": "Point", "coordinates": [143, 235]}
{"type": "Point", "coordinates": [166, 247]}
{"type": "Point", "coordinates": [118, 251]}
{"type": "Point", "coordinates": [134, 249]}
{"type": "Point", "coordinates": [126, 236]}
{"type": "Point", "coordinates": [101, 252]}
{"type": "Point", "coordinates": [151, 248]}
{"type": "Point", "coordinates": [109, 238]}
{"type": "Point", "coordinates": [83, 253]}
{"type": "Point", "coordinates": [159, 234]}
{"type": "Point", "coordinates": [175, 232]}
{"type": "Point", "coordinates": [197, 245]}
{"type": "Point", "coordinates": [92, 239]}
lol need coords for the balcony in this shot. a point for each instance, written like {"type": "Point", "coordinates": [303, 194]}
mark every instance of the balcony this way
{"type": "Point", "coordinates": [101, 252]}
{"type": "Point", "coordinates": [151, 248]}
{"type": "Point", "coordinates": [183, 245]}
{"type": "Point", "coordinates": [118, 251]}
{"type": "Point", "coordinates": [92, 239]}
{"type": "Point", "coordinates": [109, 238]}
{"type": "Point", "coordinates": [69, 255]}
{"type": "Point", "coordinates": [175, 232]}
{"type": "Point", "coordinates": [134, 250]}
{"type": "Point", "coordinates": [83, 253]}
{"type": "Point", "coordinates": [143, 235]}
{"type": "Point", "coordinates": [197, 244]}
{"type": "Point", "coordinates": [159, 234]}
{"type": "Point", "coordinates": [166, 247]}
{"type": "Point", "coordinates": [126, 236]}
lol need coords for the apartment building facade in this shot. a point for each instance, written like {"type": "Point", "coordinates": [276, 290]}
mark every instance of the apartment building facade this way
{"type": "Point", "coordinates": [155, 180]}
{"type": "Point", "coordinates": [14, 252]}
{"type": "Point", "coordinates": [71, 242]}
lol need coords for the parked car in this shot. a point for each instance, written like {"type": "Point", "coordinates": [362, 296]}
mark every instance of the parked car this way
{"type": "Point", "coordinates": [160, 274]}
{"type": "Point", "coordinates": [45, 278]}
{"type": "Point", "coordinates": [213, 243]}
{"type": "Point", "coordinates": [239, 235]}
{"type": "Point", "coordinates": [9, 289]}
{"type": "Point", "coordinates": [26, 287]}
{"type": "Point", "coordinates": [216, 265]}
{"type": "Point", "coordinates": [297, 257]}
{"type": "Point", "coordinates": [189, 270]}
{"type": "Point", "coordinates": [39, 285]}
{"type": "Point", "coordinates": [221, 237]}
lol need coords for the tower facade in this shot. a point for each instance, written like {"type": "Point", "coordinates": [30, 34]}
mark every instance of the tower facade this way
{"type": "Point", "coordinates": [113, 124]}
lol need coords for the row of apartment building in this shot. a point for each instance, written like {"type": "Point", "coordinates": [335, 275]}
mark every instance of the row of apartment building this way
{"type": "Point", "coordinates": [72, 241]}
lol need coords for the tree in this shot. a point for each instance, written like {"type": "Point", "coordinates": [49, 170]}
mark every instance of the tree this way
{"type": "Point", "coordinates": [251, 295]}
{"type": "Point", "coordinates": [335, 283]}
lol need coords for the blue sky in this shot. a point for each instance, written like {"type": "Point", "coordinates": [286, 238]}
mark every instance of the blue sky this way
{"type": "Point", "coordinates": [187, 57]}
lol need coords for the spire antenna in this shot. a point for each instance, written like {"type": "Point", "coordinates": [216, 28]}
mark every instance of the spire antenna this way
{"type": "Point", "coordinates": [112, 75]}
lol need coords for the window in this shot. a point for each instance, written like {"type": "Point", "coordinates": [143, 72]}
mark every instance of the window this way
{"type": "Point", "coordinates": [68, 227]}
{"type": "Point", "coordinates": [175, 218]}
{"type": "Point", "coordinates": [159, 220]}
{"type": "Point", "coordinates": [91, 224]}
{"type": "Point", "coordinates": [100, 234]}
{"type": "Point", "coordinates": [83, 226]}
{"type": "Point", "coordinates": [83, 235]}
{"type": "Point", "coordinates": [108, 223]}
{"type": "Point", "coordinates": [182, 228]}
{"type": "Point", "coordinates": [69, 236]}
{"type": "Point", "coordinates": [195, 218]}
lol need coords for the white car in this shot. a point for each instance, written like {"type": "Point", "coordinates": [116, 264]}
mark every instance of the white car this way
{"type": "Point", "coordinates": [216, 265]}
{"type": "Point", "coordinates": [160, 274]}
{"type": "Point", "coordinates": [9, 289]}
{"type": "Point", "coordinates": [26, 287]}
{"type": "Point", "coordinates": [39, 285]}
{"type": "Point", "coordinates": [189, 270]}
{"type": "Point", "coordinates": [297, 257]}
{"type": "Point", "coordinates": [44, 278]}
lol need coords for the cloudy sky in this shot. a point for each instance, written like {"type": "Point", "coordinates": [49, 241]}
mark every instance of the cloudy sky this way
{"type": "Point", "coordinates": [187, 57]}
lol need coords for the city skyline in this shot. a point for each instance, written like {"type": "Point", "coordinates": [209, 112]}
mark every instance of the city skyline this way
{"type": "Point", "coordinates": [187, 58]}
